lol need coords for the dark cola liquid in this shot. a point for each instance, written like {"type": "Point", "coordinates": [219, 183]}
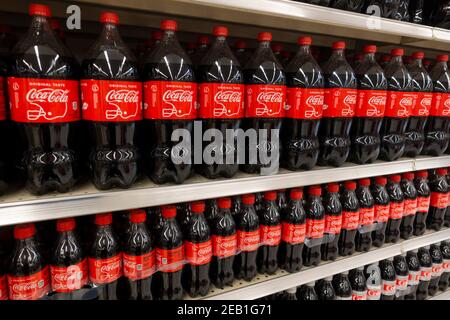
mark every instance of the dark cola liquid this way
{"type": "Point", "coordinates": [410, 195]}
{"type": "Point", "coordinates": [425, 267]}
{"type": "Point", "coordinates": [348, 5]}
{"type": "Point", "coordinates": [402, 274]}
{"type": "Point", "coordinates": [363, 239]}
{"type": "Point", "coordinates": [314, 211]}
{"type": "Point", "coordinates": [387, 280]}
{"type": "Point", "coordinates": [444, 280]}
{"type": "Point", "coordinates": [381, 198]}
{"type": "Point", "coordinates": [350, 203]}
{"type": "Point", "coordinates": [300, 136]}
{"type": "Point", "coordinates": [423, 192]}
{"type": "Point", "coordinates": [397, 199]}
{"type": "Point", "coordinates": [325, 290]}
{"type": "Point", "coordinates": [270, 217]}
{"type": "Point", "coordinates": [6, 129]}
{"type": "Point", "coordinates": [342, 287]}
{"type": "Point", "coordinates": [436, 271]}
{"type": "Point", "coordinates": [307, 293]}
{"type": "Point", "coordinates": [358, 283]}
{"type": "Point", "coordinates": [439, 188]}
{"type": "Point", "coordinates": [447, 212]}
{"type": "Point", "coordinates": [385, 8]}
{"type": "Point", "coordinates": [333, 210]}
{"type": "Point", "coordinates": [414, 273]}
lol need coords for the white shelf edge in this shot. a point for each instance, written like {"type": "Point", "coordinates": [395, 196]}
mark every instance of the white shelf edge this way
{"type": "Point", "coordinates": [441, 296]}
{"type": "Point", "coordinates": [284, 282]}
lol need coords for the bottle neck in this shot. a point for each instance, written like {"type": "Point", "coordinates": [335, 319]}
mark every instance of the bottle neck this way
{"type": "Point", "coordinates": [370, 57]}
{"type": "Point", "coordinates": [304, 50]}
{"type": "Point", "coordinates": [442, 65]}
{"type": "Point", "coordinates": [418, 63]}
{"type": "Point", "coordinates": [110, 32]}
{"type": "Point", "coordinates": [168, 35]}
{"type": "Point", "coordinates": [397, 60]}
{"type": "Point", "coordinates": [264, 45]}
{"type": "Point", "coordinates": [338, 54]}
{"type": "Point", "coordinates": [40, 24]}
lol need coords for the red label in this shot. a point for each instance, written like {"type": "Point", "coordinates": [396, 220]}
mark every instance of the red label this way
{"type": "Point", "coordinates": [413, 278]}
{"type": "Point", "coordinates": [439, 200]}
{"type": "Point", "coordinates": [350, 220]}
{"type": "Point", "coordinates": [401, 282]}
{"type": "Point", "coordinates": [371, 103]}
{"type": "Point", "coordinates": [248, 241]}
{"type": "Point", "coordinates": [315, 228]}
{"type": "Point", "coordinates": [293, 233]}
{"type": "Point", "coordinates": [170, 100]}
{"type": "Point", "coordinates": [388, 288]}
{"type": "Point", "coordinates": [359, 295]}
{"type": "Point", "coordinates": [425, 274]}
{"type": "Point", "coordinates": [68, 279]}
{"type": "Point", "coordinates": [446, 265]}
{"type": "Point", "coordinates": [139, 267]}
{"type": "Point", "coordinates": [340, 103]}
{"type": "Point", "coordinates": [366, 216]}
{"type": "Point", "coordinates": [270, 235]}
{"type": "Point", "coordinates": [303, 103]}
{"type": "Point", "coordinates": [410, 207]}
{"type": "Point", "coordinates": [111, 101]}
{"type": "Point", "coordinates": [170, 260]}
{"type": "Point", "coordinates": [265, 101]}
{"type": "Point", "coordinates": [2, 102]}
{"type": "Point", "coordinates": [436, 270]}
{"type": "Point", "coordinates": [31, 287]}
{"type": "Point", "coordinates": [198, 254]}
{"type": "Point", "coordinates": [43, 100]}
{"type": "Point", "coordinates": [396, 210]}
{"type": "Point", "coordinates": [3, 288]}
{"type": "Point", "coordinates": [221, 100]}
{"type": "Point", "coordinates": [400, 104]}
{"type": "Point", "coordinates": [104, 271]}
{"type": "Point", "coordinates": [382, 213]}
{"type": "Point", "coordinates": [224, 247]}
{"type": "Point", "coordinates": [423, 104]}
{"type": "Point", "coordinates": [441, 105]}
{"type": "Point", "coordinates": [423, 204]}
{"type": "Point", "coordinates": [373, 293]}
{"type": "Point", "coordinates": [333, 224]}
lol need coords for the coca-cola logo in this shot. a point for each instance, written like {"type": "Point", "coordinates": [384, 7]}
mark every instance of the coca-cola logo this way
{"type": "Point", "coordinates": [350, 100]}
{"type": "Point", "coordinates": [27, 287]}
{"type": "Point", "coordinates": [111, 267]}
{"type": "Point", "coordinates": [426, 102]}
{"type": "Point", "coordinates": [377, 101]}
{"type": "Point", "coordinates": [205, 252]}
{"type": "Point", "coordinates": [181, 96]}
{"type": "Point", "coordinates": [406, 102]}
{"type": "Point", "coordinates": [227, 244]}
{"type": "Point", "coordinates": [122, 96]}
{"type": "Point", "coordinates": [65, 277]}
{"type": "Point", "coordinates": [389, 288]}
{"type": "Point", "coordinates": [359, 296]}
{"type": "Point", "coordinates": [228, 97]}
{"type": "Point", "coordinates": [48, 95]}
{"type": "Point", "coordinates": [373, 292]}
{"type": "Point", "coordinates": [270, 97]}
{"type": "Point", "coordinates": [315, 100]}
{"type": "Point", "coordinates": [250, 240]}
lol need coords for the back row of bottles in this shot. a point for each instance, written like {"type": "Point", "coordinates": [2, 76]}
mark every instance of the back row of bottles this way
{"type": "Point", "coordinates": [163, 253]}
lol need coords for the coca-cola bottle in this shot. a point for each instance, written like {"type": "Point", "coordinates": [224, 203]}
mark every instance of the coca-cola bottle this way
{"type": "Point", "coordinates": [307, 292]}
{"type": "Point", "coordinates": [439, 199]}
{"type": "Point", "coordinates": [374, 282]}
{"type": "Point", "coordinates": [342, 286]}
{"type": "Point", "coordinates": [350, 219]}
{"type": "Point", "coordinates": [348, 5]}
{"type": "Point", "coordinates": [325, 290]}
{"type": "Point", "coordinates": [416, 11]}
{"type": "Point", "coordinates": [112, 106]}
{"type": "Point", "coordinates": [241, 52]}
{"type": "Point", "coordinates": [414, 274]}
{"type": "Point", "coordinates": [224, 239]}
{"type": "Point", "coordinates": [170, 97]}
{"type": "Point", "coordinates": [333, 222]}
{"type": "Point", "coordinates": [372, 95]}
{"type": "Point", "coordinates": [423, 202]}
{"type": "Point", "coordinates": [388, 279]}
{"type": "Point", "coordinates": [382, 208]}
{"type": "Point", "coordinates": [150, 44]}
{"type": "Point", "coordinates": [139, 258]}
{"type": "Point", "coordinates": [248, 235]}
{"type": "Point", "coordinates": [3, 278]}
{"type": "Point", "coordinates": [203, 45]}
{"type": "Point", "coordinates": [293, 221]}
{"type": "Point", "coordinates": [384, 60]}
{"type": "Point", "coordinates": [436, 269]}
{"type": "Point", "coordinates": [401, 276]}
{"type": "Point", "coordinates": [190, 48]}
{"type": "Point", "coordinates": [422, 84]}
{"type": "Point", "coordinates": [315, 227]}
{"type": "Point", "coordinates": [282, 201]}
{"type": "Point", "coordinates": [170, 257]}
{"type": "Point", "coordinates": [277, 49]}
{"type": "Point", "coordinates": [396, 209]}
{"type": "Point", "coordinates": [105, 258]}
{"type": "Point", "coordinates": [400, 101]}
{"type": "Point", "coordinates": [339, 108]}
{"type": "Point", "coordinates": [438, 125]}
{"type": "Point", "coordinates": [411, 200]}
{"type": "Point", "coordinates": [44, 102]}
{"type": "Point", "coordinates": [358, 282]}
{"type": "Point", "coordinates": [184, 215]}
{"type": "Point", "coordinates": [425, 272]}
{"type": "Point", "coordinates": [270, 231]}
{"type": "Point", "coordinates": [68, 265]}
{"type": "Point", "coordinates": [221, 97]}
{"type": "Point", "coordinates": [198, 249]}
{"type": "Point", "coordinates": [447, 212]}
{"type": "Point", "coordinates": [305, 97]}
{"type": "Point", "coordinates": [363, 240]}
{"type": "Point", "coordinates": [444, 280]}
{"type": "Point", "coordinates": [265, 100]}
{"type": "Point", "coordinates": [382, 8]}
{"type": "Point", "coordinates": [27, 271]}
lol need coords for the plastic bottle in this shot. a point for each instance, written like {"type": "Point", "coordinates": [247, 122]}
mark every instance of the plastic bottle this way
{"type": "Point", "coordinates": [348, 5]}
{"type": "Point", "coordinates": [3, 278]}
{"type": "Point", "coordinates": [170, 98]}
{"type": "Point", "coordinates": [447, 212]}
{"type": "Point", "coordinates": [436, 269]}
{"type": "Point", "coordinates": [315, 227]}
{"type": "Point", "coordinates": [359, 284]}
{"type": "Point", "coordinates": [439, 199]}
{"type": "Point", "coordinates": [203, 45]}
{"type": "Point", "coordinates": [325, 290]}
{"type": "Point", "coordinates": [333, 222]}
{"type": "Point", "coordinates": [444, 280]}
{"type": "Point", "coordinates": [350, 219]}
{"type": "Point", "coordinates": [388, 279]}
{"type": "Point", "coordinates": [416, 11]}
{"type": "Point", "coordinates": [293, 233]}
{"type": "Point", "coordinates": [221, 97]}
{"type": "Point", "coordinates": [401, 276]}
{"type": "Point", "coordinates": [307, 292]}
{"type": "Point", "coordinates": [374, 282]}
{"type": "Point", "coordinates": [372, 95]}
{"type": "Point", "coordinates": [382, 8]}
{"type": "Point", "coordinates": [248, 235]}
{"type": "Point", "coordinates": [411, 200]}
{"type": "Point", "coordinates": [305, 98]}
{"type": "Point", "coordinates": [282, 201]}
{"type": "Point", "coordinates": [290, 294]}
{"type": "Point", "coordinates": [382, 208]}
{"type": "Point", "coordinates": [423, 202]}
{"type": "Point", "coordinates": [425, 273]}
{"type": "Point", "coordinates": [396, 209]}
{"type": "Point", "coordinates": [241, 52]}
{"type": "Point", "coordinates": [363, 240]}
{"type": "Point", "coordinates": [277, 48]}
{"type": "Point", "coordinates": [342, 286]}
{"type": "Point", "coordinates": [414, 274]}
{"type": "Point", "coordinates": [339, 108]}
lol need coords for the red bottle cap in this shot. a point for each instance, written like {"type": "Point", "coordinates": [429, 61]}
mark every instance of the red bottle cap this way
{"type": "Point", "coordinates": [109, 17]}
{"type": "Point", "coordinates": [138, 216]}
{"type": "Point", "coordinates": [398, 52]}
{"type": "Point", "coordinates": [24, 231]}
{"type": "Point", "coordinates": [370, 49]}
{"type": "Point", "coordinates": [202, 40]}
{"type": "Point", "coordinates": [198, 207]}
{"type": "Point", "coordinates": [315, 191]}
{"type": "Point", "coordinates": [339, 45]}
{"type": "Point", "coordinates": [350, 185]}
{"type": "Point", "coordinates": [264, 36]}
{"type": "Point", "coordinates": [36, 9]}
{"type": "Point", "coordinates": [333, 187]}
{"type": "Point", "coordinates": [220, 31]}
{"type": "Point", "coordinates": [276, 47]}
{"type": "Point", "coordinates": [382, 181]}
{"type": "Point", "coordinates": [248, 199]}
{"type": "Point", "coordinates": [418, 55]}
{"type": "Point", "coordinates": [170, 25]}
{"type": "Point", "coordinates": [296, 194]}
{"type": "Point", "coordinates": [304, 41]}
{"type": "Point", "coordinates": [442, 171]}
{"type": "Point", "coordinates": [396, 178]}
{"type": "Point", "coordinates": [169, 212]}
{"type": "Point", "coordinates": [364, 182]}
{"type": "Point", "coordinates": [103, 219]}
{"type": "Point", "coordinates": [224, 203]}
{"type": "Point", "coordinates": [270, 196]}
{"type": "Point", "coordinates": [421, 174]}
{"type": "Point", "coordinates": [64, 225]}
{"type": "Point", "coordinates": [408, 176]}
{"type": "Point", "coordinates": [442, 58]}
{"type": "Point", "coordinates": [241, 44]}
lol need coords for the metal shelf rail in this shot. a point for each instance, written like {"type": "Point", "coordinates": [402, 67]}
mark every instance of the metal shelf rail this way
{"type": "Point", "coordinates": [265, 285]}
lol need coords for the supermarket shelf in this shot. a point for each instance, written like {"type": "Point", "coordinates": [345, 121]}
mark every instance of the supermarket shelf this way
{"type": "Point", "coordinates": [265, 285]}
{"type": "Point", "coordinates": [20, 207]}
{"type": "Point", "coordinates": [441, 296]}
